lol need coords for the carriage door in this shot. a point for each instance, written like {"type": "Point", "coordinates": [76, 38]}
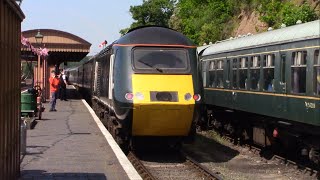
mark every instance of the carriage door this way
{"type": "Point", "coordinates": [228, 74]}
{"type": "Point", "coordinates": [97, 75]}
{"type": "Point", "coordinates": [95, 83]}
{"type": "Point", "coordinates": [111, 77]}
{"type": "Point", "coordinates": [228, 95]}
{"type": "Point", "coordinates": [283, 82]}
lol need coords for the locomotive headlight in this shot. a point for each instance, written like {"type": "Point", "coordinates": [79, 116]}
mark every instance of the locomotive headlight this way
{"type": "Point", "coordinates": [187, 96]}
{"type": "Point", "coordinates": [129, 96]}
{"type": "Point", "coordinates": [139, 96]}
{"type": "Point", "coordinates": [197, 97]}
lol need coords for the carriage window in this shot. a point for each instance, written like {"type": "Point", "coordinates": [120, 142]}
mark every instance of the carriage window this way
{"type": "Point", "coordinates": [243, 73]}
{"type": "Point", "coordinates": [255, 72]}
{"type": "Point", "coordinates": [212, 65]}
{"type": "Point", "coordinates": [298, 72]}
{"type": "Point", "coordinates": [212, 74]}
{"type": "Point", "coordinates": [316, 73]}
{"type": "Point", "coordinates": [268, 72]}
{"type": "Point", "coordinates": [234, 74]}
{"type": "Point", "coordinates": [220, 73]}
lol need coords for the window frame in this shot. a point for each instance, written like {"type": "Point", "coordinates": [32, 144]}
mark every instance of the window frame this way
{"type": "Point", "coordinates": [265, 66]}
{"type": "Point", "coordinates": [252, 68]}
{"type": "Point", "coordinates": [220, 69]}
{"type": "Point", "coordinates": [235, 61]}
{"type": "Point", "coordinates": [246, 68]}
{"type": "Point", "coordinates": [186, 70]}
{"type": "Point", "coordinates": [294, 64]}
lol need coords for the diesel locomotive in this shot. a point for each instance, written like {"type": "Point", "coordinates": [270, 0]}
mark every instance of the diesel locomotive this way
{"type": "Point", "coordinates": [145, 85]}
{"type": "Point", "coordinates": [265, 88]}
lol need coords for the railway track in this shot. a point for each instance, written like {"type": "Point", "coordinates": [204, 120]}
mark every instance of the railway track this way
{"type": "Point", "coordinates": [312, 171]}
{"type": "Point", "coordinates": [170, 165]}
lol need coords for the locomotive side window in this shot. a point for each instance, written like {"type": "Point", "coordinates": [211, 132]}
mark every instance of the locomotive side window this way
{"type": "Point", "coordinates": [298, 72]}
{"type": "Point", "coordinates": [255, 72]}
{"type": "Point", "coordinates": [158, 59]}
{"type": "Point", "coordinates": [316, 73]}
{"type": "Point", "coordinates": [212, 74]}
{"type": "Point", "coordinates": [268, 72]}
{"type": "Point", "coordinates": [235, 74]}
{"type": "Point", "coordinates": [220, 73]}
{"type": "Point", "coordinates": [243, 73]}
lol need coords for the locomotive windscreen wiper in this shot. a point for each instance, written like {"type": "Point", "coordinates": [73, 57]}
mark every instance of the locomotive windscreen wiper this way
{"type": "Point", "coordinates": [158, 69]}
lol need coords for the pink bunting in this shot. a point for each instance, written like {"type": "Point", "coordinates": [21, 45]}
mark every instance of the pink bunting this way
{"type": "Point", "coordinates": [37, 51]}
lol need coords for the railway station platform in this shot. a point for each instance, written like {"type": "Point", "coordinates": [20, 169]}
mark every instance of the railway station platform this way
{"type": "Point", "coordinates": [73, 144]}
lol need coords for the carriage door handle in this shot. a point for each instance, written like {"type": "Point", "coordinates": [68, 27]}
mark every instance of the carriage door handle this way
{"type": "Point", "coordinates": [284, 86]}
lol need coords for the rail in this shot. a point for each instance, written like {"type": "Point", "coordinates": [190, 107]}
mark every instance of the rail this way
{"type": "Point", "coordinates": [156, 170]}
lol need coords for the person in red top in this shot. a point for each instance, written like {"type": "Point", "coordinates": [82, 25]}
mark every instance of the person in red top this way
{"type": "Point", "coordinates": [54, 85]}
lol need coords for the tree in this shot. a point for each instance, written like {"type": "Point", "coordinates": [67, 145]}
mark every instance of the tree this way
{"type": "Point", "coordinates": [291, 14]}
{"type": "Point", "coordinates": [203, 20]}
{"type": "Point", "coordinates": [151, 12]}
{"type": "Point", "coordinates": [276, 12]}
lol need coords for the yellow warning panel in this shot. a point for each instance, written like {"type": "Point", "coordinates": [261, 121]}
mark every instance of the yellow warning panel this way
{"type": "Point", "coordinates": [154, 117]}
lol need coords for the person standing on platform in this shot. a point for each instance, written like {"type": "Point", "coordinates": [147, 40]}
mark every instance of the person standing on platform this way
{"type": "Point", "coordinates": [63, 86]}
{"type": "Point", "coordinates": [54, 85]}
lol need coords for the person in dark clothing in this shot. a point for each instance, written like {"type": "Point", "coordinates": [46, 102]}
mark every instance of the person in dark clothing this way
{"type": "Point", "coordinates": [63, 86]}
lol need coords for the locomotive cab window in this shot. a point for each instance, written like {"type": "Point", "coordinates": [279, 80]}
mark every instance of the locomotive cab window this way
{"type": "Point", "coordinates": [316, 73]}
{"type": "Point", "coordinates": [220, 73]}
{"type": "Point", "coordinates": [243, 73]}
{"type": "Point", "coordinates": [298, 72]}
{"type": "Point", "coordinates": [161, 60]}
{"type": "Point", "coordinates": [255, 72]}
{"type": "Point", "coordinates": [212, 74]}
{"type": "Point", "coordinates": [268, 72]}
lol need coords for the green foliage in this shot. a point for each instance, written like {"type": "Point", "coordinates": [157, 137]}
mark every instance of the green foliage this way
{"type": "Point", "coordinates": [202, 21]}
{"type": "Point", "coordinates": [276, 12]}
{"type": "Point", "coordinates": [151, 12]}
{"type": "Point", "coordinates": [269, 10]}
{"type": "Point", "coordinates": [205, 21]}
{"type": "Point", "coordinates": [291, 14]}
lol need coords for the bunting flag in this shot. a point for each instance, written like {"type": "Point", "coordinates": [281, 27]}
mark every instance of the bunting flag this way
{"type": "Point", "coordinates": [103, 43]}
{"type": "Point", "coordinates": [37, 51]}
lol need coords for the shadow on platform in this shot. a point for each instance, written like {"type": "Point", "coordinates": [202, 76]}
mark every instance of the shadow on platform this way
{"type": "Point", "coordinates": [206, 149]}
{"type": "Point", "coordinates": [40, 174]}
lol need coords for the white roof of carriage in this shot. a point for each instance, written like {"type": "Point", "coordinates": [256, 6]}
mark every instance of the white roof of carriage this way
{"type": "Point", "coordinates": [287, 34]}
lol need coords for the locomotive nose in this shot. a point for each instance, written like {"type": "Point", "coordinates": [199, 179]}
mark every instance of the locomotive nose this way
{"type": "Point", "coordinates": [164, 110]}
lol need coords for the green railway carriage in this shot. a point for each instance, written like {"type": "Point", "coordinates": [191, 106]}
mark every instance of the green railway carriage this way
{"type": "Point", "coordinates": [267, 86]}
{"type": "Point", "coordinates": [145, 85]}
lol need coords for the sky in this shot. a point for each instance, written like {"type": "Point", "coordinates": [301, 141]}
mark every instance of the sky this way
{"type": "Point", "coordinates": [92, 20]}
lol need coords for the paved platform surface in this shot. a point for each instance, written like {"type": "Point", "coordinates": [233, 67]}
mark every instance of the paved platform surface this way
{"type": "Point", "coordinates": [68, 144]}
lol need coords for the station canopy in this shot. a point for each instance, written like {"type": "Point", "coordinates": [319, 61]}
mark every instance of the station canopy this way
{"type": "Point", "coordinates": [62, 46]}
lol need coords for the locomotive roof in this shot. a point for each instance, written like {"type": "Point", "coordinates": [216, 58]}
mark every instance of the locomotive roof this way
{"type": "Point", "coordinates": [289, 34]}
{"type": "Point", "coordinates": [154, 35]}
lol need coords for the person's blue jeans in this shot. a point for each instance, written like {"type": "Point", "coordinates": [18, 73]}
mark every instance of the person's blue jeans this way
{"type": "Point", "coordinates": [53, 100]}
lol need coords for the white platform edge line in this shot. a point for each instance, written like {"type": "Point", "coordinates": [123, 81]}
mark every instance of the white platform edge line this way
{"type": "Point", "coordinates": [125, 163]}
{"type": "Point", "coordinates": [71, 87]}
